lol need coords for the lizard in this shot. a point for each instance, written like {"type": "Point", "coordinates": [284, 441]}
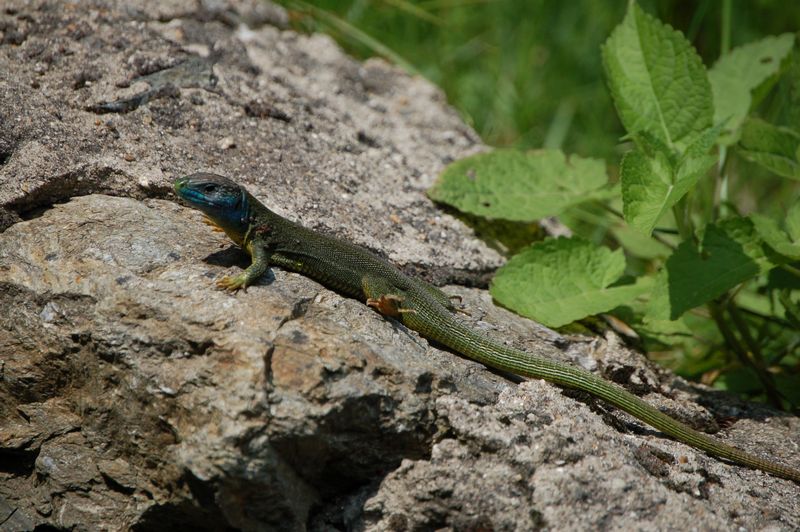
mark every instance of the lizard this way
{"type": "Point", "coordinates": [271, 239]}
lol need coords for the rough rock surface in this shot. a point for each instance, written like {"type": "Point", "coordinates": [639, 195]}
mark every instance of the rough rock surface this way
{"type": "Point", "coordinates": [133, 395]}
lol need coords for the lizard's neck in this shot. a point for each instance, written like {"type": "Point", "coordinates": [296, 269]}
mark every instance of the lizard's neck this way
{"type": "Point", "coordinates": [259, 221]}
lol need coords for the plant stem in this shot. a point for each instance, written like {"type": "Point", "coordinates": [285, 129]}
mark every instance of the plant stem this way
{"type": "Point", "coordinates": [759, 365]}
{"type": "Point", "coordinates": [790, 269]}
{"type": "Point", "coordinates": [730, 338]}
{"type": "Point", "coordinates": [722, 174]}
{"type": "Point", "coordinates": [766, 317]}
{"type": "Point", "coordinates": [741, 353]}
{"type": "Point", "coordinates": [612, 210]}
{"type": "Point", "coordinates": [720, 199]}
{"type": "Point", "coordinates": [727, 333]}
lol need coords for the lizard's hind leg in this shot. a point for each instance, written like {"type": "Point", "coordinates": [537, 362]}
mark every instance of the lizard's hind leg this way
{"type": "Point", "coordinates": [446, 299]}
{"type": "Point", "coordinates": [385, 298]}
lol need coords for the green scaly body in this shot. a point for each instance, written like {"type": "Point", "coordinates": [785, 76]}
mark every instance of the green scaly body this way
{"type": "Point", "coordinates": [351, 270]}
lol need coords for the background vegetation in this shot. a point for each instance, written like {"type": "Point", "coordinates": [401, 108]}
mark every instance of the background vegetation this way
{"type": "Point", "coordinates": [528, 74]}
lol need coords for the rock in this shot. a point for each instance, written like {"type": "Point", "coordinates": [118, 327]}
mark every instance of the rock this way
{"type": "Point", "coordinates": [123, 97]}
{"type": "Point", "coordinates": [278, 398]}
{"type": "Point", "coordinates": [134, 395]}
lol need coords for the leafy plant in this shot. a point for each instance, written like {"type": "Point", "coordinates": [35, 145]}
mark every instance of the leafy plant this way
{"type": "Point", "coordinates": [703, 274]}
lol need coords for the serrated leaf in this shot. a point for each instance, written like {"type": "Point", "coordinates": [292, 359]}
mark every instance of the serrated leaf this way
{"type": "Point", "coordinates": [777, 239]}
{"type": "Point", "coordinates": [652, 185]}
{"type": "Point", "coordinates": [736, 74]}
{"type": "Point", "coordinates": [741, 230]}
{"type": "Point", "coordinates": [519, 186]}
{"type": "Point", "coordinates": [653, 146]}
{"type": "Point", "coordinates": [646, 185]}
{"type": "Point", "coordinates": [703, 142]}
{"type": "Point", "coordinates": [558, 281]}
{"type": "Point", "coordinates": [775, 148]}
{"type": "Point", "coordinates": [697, 160]}
{"type": "Point", "coordinates": [731, 252]}
{"type": "Point", "coordinates": [657, 80]}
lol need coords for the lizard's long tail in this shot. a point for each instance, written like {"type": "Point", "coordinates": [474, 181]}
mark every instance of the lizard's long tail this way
{"type": "Point", "coordinates": [462, 339]}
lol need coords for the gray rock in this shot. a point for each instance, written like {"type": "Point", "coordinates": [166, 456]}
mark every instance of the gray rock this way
{"type": "Point", "coordinates": [134, 395]}
{"type": "Point", "coordinates": [314, 133]}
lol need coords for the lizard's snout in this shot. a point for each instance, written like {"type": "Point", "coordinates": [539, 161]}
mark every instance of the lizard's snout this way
{"type": "Point", "coordinates": [179, 184]}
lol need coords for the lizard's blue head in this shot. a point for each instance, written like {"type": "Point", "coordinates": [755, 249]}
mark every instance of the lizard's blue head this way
{"type": "Point", "coordinates": [221, 199]}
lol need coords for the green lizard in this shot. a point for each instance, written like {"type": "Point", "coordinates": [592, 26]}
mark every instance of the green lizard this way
{"type": "Point", "coordinates": [355, 272]}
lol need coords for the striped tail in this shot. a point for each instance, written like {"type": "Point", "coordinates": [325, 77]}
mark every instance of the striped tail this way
{"type": "Point", "coordinates": [463, 339]}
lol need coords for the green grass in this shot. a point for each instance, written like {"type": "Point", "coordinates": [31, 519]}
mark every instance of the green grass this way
{"type": "Point", "coordinates": [525, 73]}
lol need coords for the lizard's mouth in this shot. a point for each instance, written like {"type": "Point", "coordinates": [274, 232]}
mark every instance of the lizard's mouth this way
{"type": "Point", "coordinates": [190, 194]}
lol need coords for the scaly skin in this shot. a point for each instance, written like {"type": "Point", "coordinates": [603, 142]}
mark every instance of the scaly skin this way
{"type": "Point", "coordinates": [349, 269]}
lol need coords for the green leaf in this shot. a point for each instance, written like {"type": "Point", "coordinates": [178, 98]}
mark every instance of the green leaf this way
{"type": "Point", "coordinates": [793, 221]}
{"type": "Point", "coordinates": [657, 80]}
{"type": "Point", "coordinates": [637, 244]}
{"type": "Point", "coordinates": [667, 332]}
{"type": "Point", "coordinates": [786, 245]}
{"type": "Point", "coordinates": [775, 148]}
{"type": "Point", "coordinates": [519, 186]}
{"type": "Point", "coordinates": [652, 185]}
{"type": "Point", "coordinates": [738, 73]}
{"type": "Point", "coordinates": [695, 162]}
{"type": "Point", "coordinates": [686, 338]}
{"type": "Point", "coordinates": [779, 279]}
{"type": "Point", "coordinates": [646, 187]}
{"type": "Point", "coordinates": [558, 281]}
{"type": "Point", "coordinates": [731, 252]}
{"type": "Point", "coordinates": [738, 380]}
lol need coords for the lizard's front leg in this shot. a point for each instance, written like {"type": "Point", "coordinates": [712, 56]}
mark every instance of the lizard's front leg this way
{"type": "Point", "coordinates": [256, 269]}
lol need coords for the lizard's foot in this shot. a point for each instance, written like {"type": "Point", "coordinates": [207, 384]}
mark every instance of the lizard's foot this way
{"type": "Point", "coordinates": [389, 305]}
{"type": "Point", "coordinates": [211, 223]}
{"type": "Point", "coordinates": [460, 308]}
{"type": "Point", "coordinates": [232, 284]}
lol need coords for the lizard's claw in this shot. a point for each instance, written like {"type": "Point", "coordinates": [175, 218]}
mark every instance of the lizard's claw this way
{"type": "Point", "coordinates": [460, 308]}
{"type": "Point", "coordinates": [232, 284]}
{"type": "Point", "coordinates": [389, 305]}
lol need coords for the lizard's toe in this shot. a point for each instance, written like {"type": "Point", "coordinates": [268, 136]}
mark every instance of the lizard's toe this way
{"type": "Point", "coordinates": [232, 284]}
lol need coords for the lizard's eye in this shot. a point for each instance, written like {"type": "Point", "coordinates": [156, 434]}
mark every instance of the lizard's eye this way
{"type": "Point", "coordinates": [210, 188]}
